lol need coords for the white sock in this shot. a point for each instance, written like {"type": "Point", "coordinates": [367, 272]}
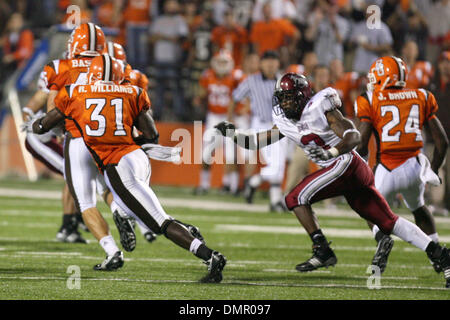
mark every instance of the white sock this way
{"type": "Point", "coordinates": [255, 181]}
{"type": "Point", "coordinates": [275, 194]}
{"type": "Point", "coordinates": [411, 233]}
{"type": "Point", "coordinates": [375, 230]}
{"type": "Point", "coordinates": [234, 181]}
{"type": "Point", "coordinates": [205, 176]}
{"type": "Point", "coordinates": [194, 245]}
{"type": "Point", "coordinates": [109, 245]}
{"type": "Point", "coordinates": [226, 180]}
{"type": "Point", "coordinates": [434, 237]}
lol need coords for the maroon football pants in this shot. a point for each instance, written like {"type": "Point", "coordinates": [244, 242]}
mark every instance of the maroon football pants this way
{"type": "Point", "coordinates": [351, 177]}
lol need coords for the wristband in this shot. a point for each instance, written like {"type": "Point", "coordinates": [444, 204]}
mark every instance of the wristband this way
{"type": "Point", "coordinates": [334, 152]}
{"type": "Point", "coordinates": [350, 130]}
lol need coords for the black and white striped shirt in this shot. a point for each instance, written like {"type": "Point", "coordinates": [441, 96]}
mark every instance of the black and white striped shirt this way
{"type": "Point", "coordinates": [260, 91]}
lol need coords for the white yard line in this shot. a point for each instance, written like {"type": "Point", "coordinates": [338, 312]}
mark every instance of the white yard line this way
{"type": "Point", "coordinates": [233, 282]}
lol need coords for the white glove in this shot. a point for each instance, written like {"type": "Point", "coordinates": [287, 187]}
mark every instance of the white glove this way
{"type": "Point", "coordinates": [162, 153]}
{"type": "Point", "coordinates": [316, 153]}
{"type": "Point", "coordinates": [28, 125]}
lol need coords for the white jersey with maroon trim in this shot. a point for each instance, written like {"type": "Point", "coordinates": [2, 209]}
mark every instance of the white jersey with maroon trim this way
{"type": "Point", "coordinates": [313, 127]}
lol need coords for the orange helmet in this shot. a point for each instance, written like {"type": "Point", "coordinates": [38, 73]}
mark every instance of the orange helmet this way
{"type": "Point", "coordinates": [105, 68]}
{"type": "Point", "coordinates": [387, 72]}
{"type": "Point", "coordinates": [87, 39]}
{"type": "Point", "coordinates": [222, 63]}
{"type": "Point", "coordinates": [115, 50]}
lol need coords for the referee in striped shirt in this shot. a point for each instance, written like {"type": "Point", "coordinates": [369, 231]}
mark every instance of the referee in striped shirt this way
{"type": "Point", "coordinates": [259, 89]}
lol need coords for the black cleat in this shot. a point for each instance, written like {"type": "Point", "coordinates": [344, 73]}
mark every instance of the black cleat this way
{"type": "Point", "coordinates": [381, 256]}
{"type": "Point", "coordinates": [195, 232]}
{"type": "Point", "coordinates": [111, 262]}
{"type": "Point", "coordinates": [323, 256]}
{"type": "Point", "coordinates": [69, 235]}
{"type": "Point", "coordinates": [126, 231]}
{"type": "Point", "coordinates": [215, 267]}
{"type": "Point", "coordinates": [150, 236]}
{"type": "Point", "coordinates": [441, 256]}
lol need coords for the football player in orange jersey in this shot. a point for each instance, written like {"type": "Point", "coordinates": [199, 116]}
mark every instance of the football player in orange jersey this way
{"type": "Point", "coordinates": [217, 85]}
{"type": "Point", "coordinates": [134, 76]}
{"type": "Point", "coordinates": [397, 115]}
{"type": "Point", "coordinates": [104, 113]}
{"type": "Point", "coordinates": [137, 78]}
{"type": "Point", "coordinates": [86, 42]}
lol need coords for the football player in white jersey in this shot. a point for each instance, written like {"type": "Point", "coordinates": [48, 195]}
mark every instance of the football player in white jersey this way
{"type": "Point", "coordinates": [317, 126]}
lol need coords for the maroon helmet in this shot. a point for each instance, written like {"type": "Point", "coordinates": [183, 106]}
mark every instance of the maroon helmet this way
{"type": "Point", "coordinates": [292, 93]}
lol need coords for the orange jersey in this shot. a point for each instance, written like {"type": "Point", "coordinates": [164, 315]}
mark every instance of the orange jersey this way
{"type": "Point", "coordinates": [344, 86]}
{"type": "Point", "coordinates": [60, 73]}
{"type": "Point", "coordinates": [104, 115]}
{"type": "Point", "coordinates": [232, 40]}
{"type": "Point", "coordinates": [220, 89]}
{"type": "Point", "coordinates": [397, 116]}
{"type": "Point", "coordinates": [419, 75]}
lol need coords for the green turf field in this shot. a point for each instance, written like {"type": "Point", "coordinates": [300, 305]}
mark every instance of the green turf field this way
{"type": "Point", "coordinates": [262, 250]}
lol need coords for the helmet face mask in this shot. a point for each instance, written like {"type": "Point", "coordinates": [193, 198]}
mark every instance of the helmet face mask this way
{"type": "Point", "coordinates": [292, 93]}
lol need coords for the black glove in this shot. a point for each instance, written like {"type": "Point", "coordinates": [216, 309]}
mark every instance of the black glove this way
{"type": "Point", "coordinates": [224, 126]}
{"type": "Point", "coordinates": [140, 140]}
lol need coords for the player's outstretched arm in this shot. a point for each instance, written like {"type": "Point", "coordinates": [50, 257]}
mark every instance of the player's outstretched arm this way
{"type": "Point", "coordinates": [51, 119]}
{"type": "Point", "coordinates": [252, 141]}
{"type": "Point", "coordinates": [440, 143]}
{"type": "Point", "coordinates": [365, 129]}
{"type": "Point", "coordinates": [146, 125]}
{"type": "Point", "coordinates": [345, 130]}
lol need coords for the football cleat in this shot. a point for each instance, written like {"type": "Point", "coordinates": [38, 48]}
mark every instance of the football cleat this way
{"type": "Point", "coordinates": [436, 266]}
{"type": "Point", "coordinates": [381, 256]}
{"type": "Point", "coordinates": [126, 231]}
{"type": "Point", "coordinates": [195, 232]}
{"type": "Point", "coordinates": [215, 266]}
{"type": "Point", "coordinates": [323, 256]}
{"type": "Point", "coordinates": [111, 262]}
{"type": "Point", "coordinates": [69, 236]}
{"type": "Point", "coordinates": [150, 236]}
{"type": "Point", "coordinates": [441, 256]}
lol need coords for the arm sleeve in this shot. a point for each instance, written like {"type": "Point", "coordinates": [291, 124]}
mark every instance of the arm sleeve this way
{"type": "Point", "coordinates": [242, 91]}
{"type": "Point", "coordinates": [62, 100]}
{"type": "Point", "coordinates": [432, 107]}
{"type": "Point", "coordinates": [362, 109]}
